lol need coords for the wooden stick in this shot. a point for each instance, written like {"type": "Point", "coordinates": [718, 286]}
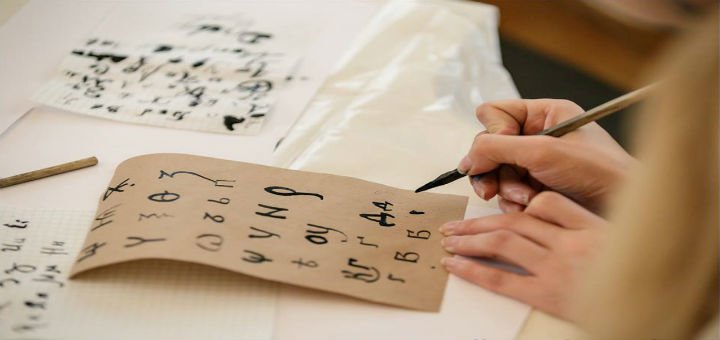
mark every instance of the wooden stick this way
{"type": "Point", "coordinates": [47, 172]}
{"type": "Point", "coordinates": [600, 111]}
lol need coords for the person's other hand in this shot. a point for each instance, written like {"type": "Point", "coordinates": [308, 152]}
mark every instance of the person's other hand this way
{"type": "Point", "coordinates": [553, 240]}
{"type": "Point", "coordinates": [584, 164]}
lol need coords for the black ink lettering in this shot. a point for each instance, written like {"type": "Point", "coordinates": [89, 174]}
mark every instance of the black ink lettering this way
{"type": "Point", "coordinates": [31, 304]}
{"type": "Point", "coordinates": [55, 249]}
{"type": "Point", "coordinates": [207, 28]}
{"type": "Point", "coordinates": [18, 224]}
{"type": "Point", "coordinates": [3, 282]}
{"type": "Point", "coordinates": [214, 218]}
{"type": "Point", "coordinates": [301, 263]}
{"type": "Point", "coordinates": [90, 250]}
{"type": "Point", "coordinates": [209, 242]}
{"type": "Point", "coordinates": [316, 232]}
{"type": "Point", "coordinates": [118, 188]}
{"type": "Point", "coordinates": [142, 216]}
{"type": "Point", "coordinates": [220, 201]}
{"type": "Point", "coordinates": [385, 206]}
{"type": "Point", "coordinates": [196, 93]}
{"type": "Point", "coordinates": [162, 48]}
{"type": "Point", "coordinates": [135, 66]}
{"type": "Point", "coordinates": [265, 233]}
{"type": "Point", "coordinates": [369, 274]}
{"type": "Point", "coordinates": [362, 242]}
{"type": "Point", "coordinates": [254, 86]}
{"type": "Point", "coordinates": [381, 218]}
{"type": "Point", "coordinates": [21, 268]}
{"type": "Point", "coordinates": [255, 257]}
{"type": "Point", "coordinates": [407, 257]}
{"type": "Point", "coordinates": [258, 110]}
{"type": "Point", "coordinates": [137, 240]}
{"type": "Point", "coordinates": [272, 212]}
{"type": "Point", "coordinates": [164, 197]}
{"type": "Point", "coordinates": [105, 217]}
{"type": "Point", "coordinates": [100, 56]}
{"type": "Point", "coordinates": [283, 191]}
{"type": "Point", "coordinates": [415, 212]}
{"type": "Point", "coordinates": [49, 278]}
{"type": "Point", "coordinates": [199, 63]}
{"type": "Point", "coordinates": [11, 247]}
{"type": "Point", "coordinates": [217, 182]}
{"type": "Point", "coordinates": [145, 74]}
{"type": "Point", "coordinates": [253, 37]}
{"type": "Point", "coordinates": [393, 278]}
{"type": "Point", "coordinates": [421, 234]}
{"type": "Point", "coordinates": [256, 64]}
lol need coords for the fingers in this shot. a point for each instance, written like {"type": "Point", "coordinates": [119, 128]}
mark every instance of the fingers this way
{"type": "Point", "coordinates": [509, 284]}
{"type": "Point", "coordinates": [525, 116]}
{"type": "Point", "coordinates": [557, 209]}
{"type": "Point", "coordinates": [489, 151]}
{"type": "Point", "coordinates": [523, 224]}
{"type": "Point", "coordinates": [502, 117]}
{"type": "Point", "coordinates": [486, 185]}
{"type": "Point", "coordinates": [551, 112]}
{"type": "Point", "coordinates": [513, 188]}
{"type": "Point", "coordinates": [501, 244]}
{"type": "Point", "coordinates": [509, 206]}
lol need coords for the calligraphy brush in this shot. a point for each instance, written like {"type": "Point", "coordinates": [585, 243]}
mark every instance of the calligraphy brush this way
{"type": "Point", "coordinates": [564, 127]}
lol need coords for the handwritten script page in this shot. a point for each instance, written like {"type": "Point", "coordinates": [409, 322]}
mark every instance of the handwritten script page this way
{"type": "Point", "coordinates": [216, 73]}
{"type": "Point", "coordinates": [333, 233]}
{"type": "Point", "coordinates": [157, 299]}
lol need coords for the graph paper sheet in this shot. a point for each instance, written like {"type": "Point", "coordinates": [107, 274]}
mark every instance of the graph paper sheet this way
{"type": "Point", "coordinates": [137, 300]}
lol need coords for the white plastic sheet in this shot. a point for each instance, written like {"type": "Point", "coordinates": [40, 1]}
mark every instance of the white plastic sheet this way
{"type": "Point", "coordinates": [400, 112]}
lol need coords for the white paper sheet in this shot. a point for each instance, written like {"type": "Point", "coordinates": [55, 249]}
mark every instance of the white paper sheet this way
{"type": "Point", "coordinates": [209, 68]}
{"type": "Point", "coordinates": [142, 300]}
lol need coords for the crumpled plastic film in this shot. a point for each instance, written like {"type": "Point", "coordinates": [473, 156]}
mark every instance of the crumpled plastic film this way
{"type": "Point", "coordinates": [400, 109]}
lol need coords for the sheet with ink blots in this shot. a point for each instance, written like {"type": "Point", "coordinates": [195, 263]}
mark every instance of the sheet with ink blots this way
{"type": "Point", "coordinates": [328, 232]}
{"type": "Point", "coordinates": [215, 73]}
{"type": "Point", "coordinates": [160, 299]}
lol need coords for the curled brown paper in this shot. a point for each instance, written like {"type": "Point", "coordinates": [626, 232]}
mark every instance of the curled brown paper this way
{"type": "Point", "coordinates": [327, 232]}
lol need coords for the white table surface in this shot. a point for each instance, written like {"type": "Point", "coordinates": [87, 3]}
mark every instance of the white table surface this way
{"type": "Point", "coordinates": [64, 137]}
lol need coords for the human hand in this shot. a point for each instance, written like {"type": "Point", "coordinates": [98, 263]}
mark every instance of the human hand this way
{"type": "Point", "coordinates": [584, 164]}
{"type": "Point", "coordinates": [553, 240]}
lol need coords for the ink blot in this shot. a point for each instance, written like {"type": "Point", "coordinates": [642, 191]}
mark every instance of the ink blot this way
{"type": "Point", "coordinates": [230, 122]}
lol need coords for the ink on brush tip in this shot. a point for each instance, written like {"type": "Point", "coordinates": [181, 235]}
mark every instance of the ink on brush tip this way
{"type": "Point", "coordinates": [443, 179]}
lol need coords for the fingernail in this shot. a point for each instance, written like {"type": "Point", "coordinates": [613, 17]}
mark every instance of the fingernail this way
{"type": "Point", "coordinates": [448, 262]}
{"type": "Point", "coordinates": [479, 190]}
{"type": "Point", "coordinates": [464, 165]}
{"type": "Point", "coordinates": [449, 228]}
{"type": "Point", "coordinates": [518, 196]}
{"type": "Point", "coordinates": [449, 243]}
